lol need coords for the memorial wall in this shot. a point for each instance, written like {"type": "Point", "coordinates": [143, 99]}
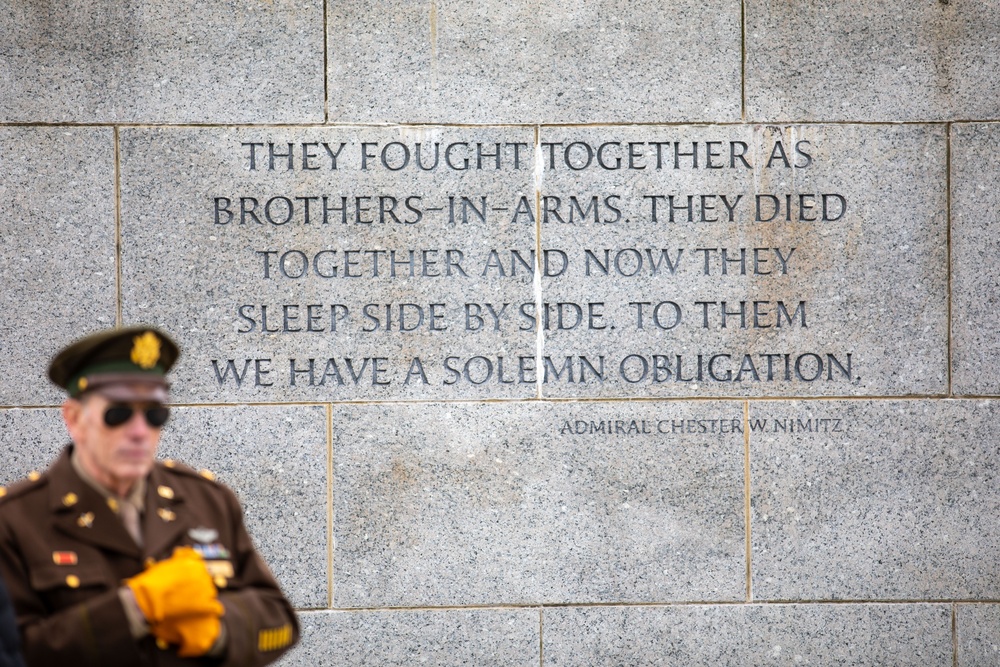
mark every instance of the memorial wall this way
{"type": "Point", "coordinates": [556, 334]}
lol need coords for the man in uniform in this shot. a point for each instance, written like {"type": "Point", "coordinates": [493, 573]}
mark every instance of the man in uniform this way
{"type": "Point", "coordinates": [113, 558]}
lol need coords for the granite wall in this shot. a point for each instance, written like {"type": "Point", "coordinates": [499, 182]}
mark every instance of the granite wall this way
{"type": "Point", "coordinates": [559, 333]}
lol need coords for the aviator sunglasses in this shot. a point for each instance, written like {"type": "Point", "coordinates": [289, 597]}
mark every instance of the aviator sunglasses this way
{"type": "Point", "coordinates": [119, 413]}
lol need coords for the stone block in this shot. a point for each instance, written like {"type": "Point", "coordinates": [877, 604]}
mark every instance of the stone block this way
{"type": "Point", "coordinates": [163, 62]}
{"type": "Point", "coordinates": [275, 459]}
{"type": "Point", "coordinates": [744, 260]}
{"type": "Point", "coordinates": [515, 503]}
{"type": "Point", "coordinates": [32, 441]}
{"type": "Point", "coordinates": [57, 222]}
{"type": "Point", "coordinates": [874, 61]}
{"type": "Point", "coordinates": [521, 62]}
{"type": "Point", "coordinates": [442, 638]}
{"type": "Point", "coordinates": [238, 261]}
{"type": "Point", "coordinates": [977, 628]}
{"type": "Point", "coordinates": [974, 246]}
{"type": "Point", "coordinates": [874, 500]}
{"type": "Point", "coordinates": [848, 635]}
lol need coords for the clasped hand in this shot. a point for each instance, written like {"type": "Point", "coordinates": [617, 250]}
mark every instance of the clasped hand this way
{"type": "Point", "coordinates": [180, 602]}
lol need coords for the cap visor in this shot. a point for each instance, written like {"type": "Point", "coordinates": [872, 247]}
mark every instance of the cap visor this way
{"type": "Point", "coordinates": [130, 388]}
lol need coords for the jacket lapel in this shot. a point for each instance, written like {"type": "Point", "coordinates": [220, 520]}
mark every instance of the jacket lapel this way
{"type": "Point", "coordinates": [82, 513]}
{"type": "Point", "coordinates": [166, 517]}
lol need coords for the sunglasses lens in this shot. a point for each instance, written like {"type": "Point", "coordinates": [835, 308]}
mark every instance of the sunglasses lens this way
{"type": "Point", "coordinates": [117, 415]}
{"type": "Point", "coordinates": [157, 417]}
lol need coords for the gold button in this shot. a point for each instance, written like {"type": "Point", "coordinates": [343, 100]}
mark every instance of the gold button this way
{"type": "Point", "coordinates": [3, 492]}
{"type": "Point", "coordinates": [207, 474]}
{"type": "Point", "coordinates": [170, 463]}
{"type": "Point", "coordinates": [34, 475]}
{"type": "Point", "coordinates": [82, 384]}
{"type": "Point", "coordinates": [220, 581]}
{"type": "Point", "coordinates": [166, 514]}
{"type": "Point", "coordinates": [70, 499]}
{"type": "Point", "coordinates": [113, 504]}
{"type": "Point", "coordinates": [162, 644]}
{"type": "Point", "coordinates": [73, 581]}
{"type": "Point", "coordinates": [165, 492]}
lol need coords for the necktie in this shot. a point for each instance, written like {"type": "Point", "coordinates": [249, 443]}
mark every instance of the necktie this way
{"type": "Point", "coordinates": [130, 517]}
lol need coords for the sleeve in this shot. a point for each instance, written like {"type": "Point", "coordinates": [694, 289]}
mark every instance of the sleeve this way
{"type": "Point", "coordinates": [95, 632]}
{"type": "Point", "coordinates": [260, 624]}
{"type": "Point", "coordinates": [10, 642]}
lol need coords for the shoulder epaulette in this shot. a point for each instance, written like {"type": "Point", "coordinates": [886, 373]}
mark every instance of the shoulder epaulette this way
{"type": "Point", "coordinates": [34, 480]}
{"type": "Point", "coordinates": [181, 469]}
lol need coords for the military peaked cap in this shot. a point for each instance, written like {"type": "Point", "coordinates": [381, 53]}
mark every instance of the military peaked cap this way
{"type": "Point", "coordinates": [114, 357]}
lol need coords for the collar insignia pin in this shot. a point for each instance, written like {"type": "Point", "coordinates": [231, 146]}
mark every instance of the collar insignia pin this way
{"type": "Point", "coordinates": [86, 520]}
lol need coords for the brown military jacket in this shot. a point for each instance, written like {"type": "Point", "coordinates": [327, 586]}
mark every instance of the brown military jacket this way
{"type": "Point", "coordinates": [64, 554]}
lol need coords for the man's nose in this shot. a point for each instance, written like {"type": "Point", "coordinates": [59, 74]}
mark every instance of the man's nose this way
{"type": "Point", "coordinates": [137, 423]}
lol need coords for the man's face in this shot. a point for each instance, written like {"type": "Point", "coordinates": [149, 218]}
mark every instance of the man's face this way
{"type": "Point", "coordinates": [115, 456]}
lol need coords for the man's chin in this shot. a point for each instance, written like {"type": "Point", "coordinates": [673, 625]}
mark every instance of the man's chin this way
{"type": "Point", "coordinates": [132, 471]}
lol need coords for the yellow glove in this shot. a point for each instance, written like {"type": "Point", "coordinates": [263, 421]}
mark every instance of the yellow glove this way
{"type": "Point", "coordinates": [176, 587]}
{"type": "Point", "coordinates": [195, 634]}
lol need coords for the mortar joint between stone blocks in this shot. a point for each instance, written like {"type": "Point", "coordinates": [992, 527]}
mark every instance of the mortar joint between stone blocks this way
{"type": "Point", "coordinates": [948, 250]}
{"type": "Point", "coordinates": [329, 507]}
{"type": "Point", "coordinates": [747, 514]}
{"type": "Point", "coordinates": [118, 227]}
{"type": "Point", "coordinates": [954, 634]}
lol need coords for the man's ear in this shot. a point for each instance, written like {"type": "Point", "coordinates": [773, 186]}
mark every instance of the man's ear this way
{"type": "Point", "coordinates": [72, 409]}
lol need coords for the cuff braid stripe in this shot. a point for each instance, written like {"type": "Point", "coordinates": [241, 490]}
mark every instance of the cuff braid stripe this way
{"type": "Point", "coordinates": [273, 639]}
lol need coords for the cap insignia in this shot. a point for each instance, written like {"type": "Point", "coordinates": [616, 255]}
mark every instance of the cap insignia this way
{"type": "Point", "coordinates": [146, 350]}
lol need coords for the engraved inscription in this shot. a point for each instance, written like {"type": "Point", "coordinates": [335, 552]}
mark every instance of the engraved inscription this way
{"type": "Point", "coordinates": [493, 262]}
